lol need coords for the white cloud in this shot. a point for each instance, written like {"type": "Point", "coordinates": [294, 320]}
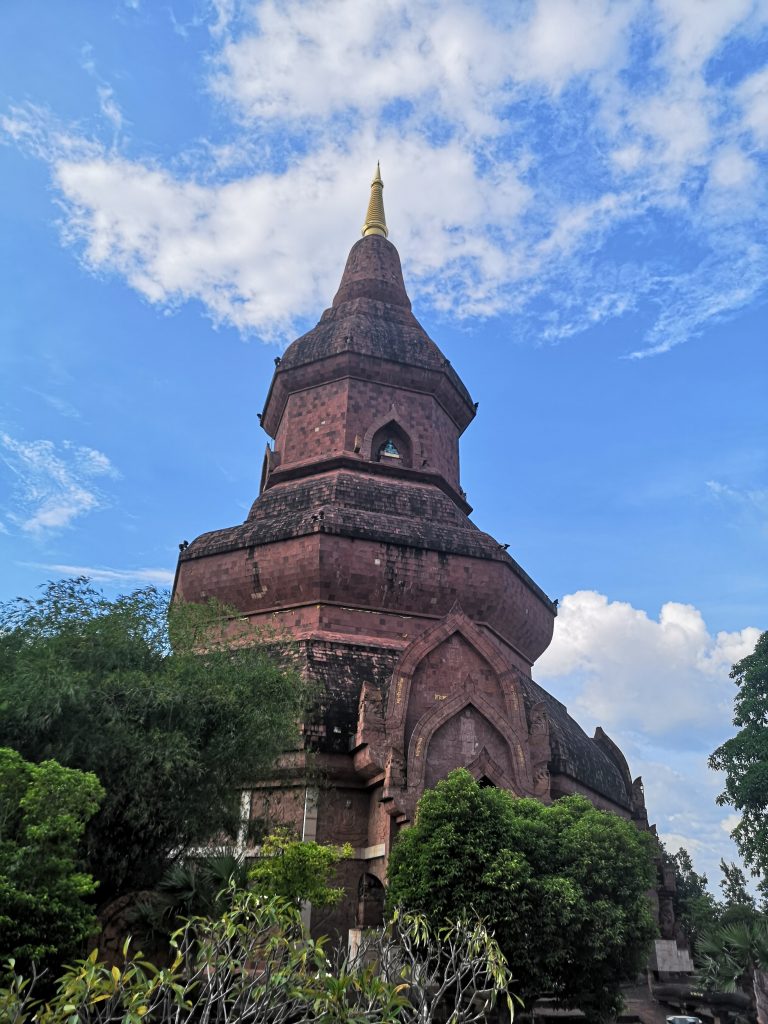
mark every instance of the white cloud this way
{"type": "Point", "coordinates": [661, 690]}
{"type": "Point", "coordinates": [109, 106]}
{"type": "Point", "coordinates": [242, 247]}
{"type": "Point", "coordinates": [732, 169]}
{"type": "Point", "coordinates": [235, 246]}
{"type": "Point", "coordinates": [753, 95]}
{"type": "Point", "coordinates": [567, 38]}
{"type": "Point", "coordinates": [729, 822]}
{"type": "Point", "coordinates": [627, 670]}
{"type": "Point", "coordinates": [515, 144]}
{"type": "Point", "coordinates": [695, 28]}
{"type": "Point", "coordinates": [680, 794]}
{"type": "Point", "coordinates": [713, 291]}
{"type": "Point", "coordinates": [103, 574]}
{"type": "Point", "coordinates": [53, 483]}
{"type": "Point", "coordinates": [455, 58]}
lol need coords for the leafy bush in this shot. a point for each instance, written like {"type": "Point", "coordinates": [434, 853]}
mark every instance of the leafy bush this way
{"type": "Point", "coordinates": [256, 965]}
{"type": "Point", "coordinates": [44, 809]}
{"type": "Point", "coordinates": [297, 870]}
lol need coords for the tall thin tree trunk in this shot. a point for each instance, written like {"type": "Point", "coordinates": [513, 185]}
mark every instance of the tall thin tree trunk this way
{"type": "Point", "coordinates": [760, 986]}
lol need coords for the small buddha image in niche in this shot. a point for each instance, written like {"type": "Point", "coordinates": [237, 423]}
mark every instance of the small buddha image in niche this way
{"type": "Point", "coordinates": [389, 450]}
{"type": "Point", "coordinates": [467, 737]}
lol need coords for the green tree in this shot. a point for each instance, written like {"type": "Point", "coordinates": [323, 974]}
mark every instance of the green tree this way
{"type": "Point", "coordinates": [563, 888]}
{"type": "Point", "coordinates": [762, 896]}
{"type": "Point", "coordinates": [173, 709]}
{"type": "Point", "coordinates": [695, 906]}
{"type": "Point", "coordinates": [44, 908]}
{"type": "Point", "coordinates": [738, 902]}
{"type": "Point", "coordinates": [744, 758]}
{"type": "Point", "coordinates": [297, 871]}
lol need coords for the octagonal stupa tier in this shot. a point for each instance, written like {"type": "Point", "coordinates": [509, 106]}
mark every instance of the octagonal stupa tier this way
{"type": "Point", "coordinates": [361, 506]}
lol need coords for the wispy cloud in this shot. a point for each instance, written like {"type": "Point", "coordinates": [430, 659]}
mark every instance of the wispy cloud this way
{"type": "Point", "coordinates": [534, 157]}
{"type": "Point", "coordinates": [755, 499]}
{"type": "Point", "coordinates": [104, 574]}
{"type": "Point", "coordinates": [61, 405]}
{"type": "Point", "coordinates": [746, 507]}
{"type": "Point", "coordinates": [680, 793]}
{"type": "Point", "coordinates": [53, 483]}
{"type": "Point", "coordinates": [108, 104]}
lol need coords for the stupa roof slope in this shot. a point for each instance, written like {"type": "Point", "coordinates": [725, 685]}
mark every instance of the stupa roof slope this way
{"type": "Point", "coordinates": [371, 311]}
{"type": "Point", "coordinates": [371, 315]}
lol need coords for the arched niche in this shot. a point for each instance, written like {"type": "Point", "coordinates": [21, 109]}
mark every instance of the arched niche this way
{"type": "Point", "coordinates": [451, 665]}
{"type": "Point", "coordinates": [370, 902]}
{"type": "Point", "coordinates": [392, 446]}
{"type": "Point", "coordinates": [394, 428]}
{"type": "Point", "coordinates": [467, 731]}
{"type": "Point", "coordinates": [406, 671]}
{"type": "Point", "coordinates": [459, 742]}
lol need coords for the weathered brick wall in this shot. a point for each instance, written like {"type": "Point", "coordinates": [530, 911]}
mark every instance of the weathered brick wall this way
{"type": "Point", "coordinates": [340, 415]}
{"type": "Point", "coordinates": [314, 423]}
{"type": "Point", "coordinates": [433, 434]}
{"type": "Point", "coordinates": [339, 671]}
{"type": "Point", "coordinates": [278, 806]}
{"type": "Point", "coordinates": [371, 589]}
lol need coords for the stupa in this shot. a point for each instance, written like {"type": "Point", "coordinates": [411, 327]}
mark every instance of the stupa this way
{"type": "Point", "coordinates": [419, 630]}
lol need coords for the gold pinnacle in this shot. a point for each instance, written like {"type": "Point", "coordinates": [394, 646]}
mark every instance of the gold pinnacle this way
{"type": "Point", "coordinates": [375, 222]}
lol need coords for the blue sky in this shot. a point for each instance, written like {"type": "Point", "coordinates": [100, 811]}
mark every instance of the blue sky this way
{"type": "Point", "coordinates": [578, 192]}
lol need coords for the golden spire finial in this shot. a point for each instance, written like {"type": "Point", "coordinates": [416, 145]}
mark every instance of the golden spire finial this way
{"type": "Point", "coordinates": [375, 222]}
